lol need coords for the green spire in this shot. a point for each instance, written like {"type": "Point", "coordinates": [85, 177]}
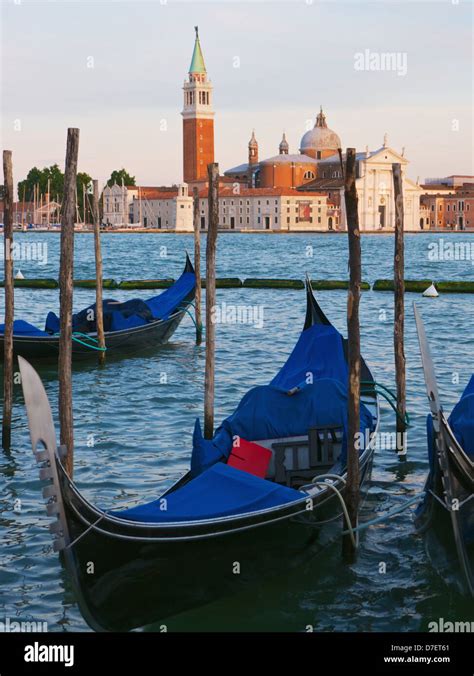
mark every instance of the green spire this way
{"type": "Point", "coordinates": [197, 63]}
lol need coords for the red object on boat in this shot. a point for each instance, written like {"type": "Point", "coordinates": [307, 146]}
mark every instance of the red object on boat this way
{"type": "Point", "coordinates": [251, 458]}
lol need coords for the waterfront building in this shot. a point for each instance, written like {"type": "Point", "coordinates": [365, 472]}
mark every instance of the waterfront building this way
{"type": "Point", "coordinates": [452, 209]}
{"type": "Point", "coordinates": [270, 209]}
{"type": "Point", "coordinates": [124, 206]}
{"type": "Point", "coordinates": [453, 181]}
{"type": "Point", "coordinates": [288, 170]}
{"type": "Point", "coordinates": [25, 213]}
{"type": "Point", "coordinates": [170, 209]}
{"type": "Point", "coordinates": [374, 183]}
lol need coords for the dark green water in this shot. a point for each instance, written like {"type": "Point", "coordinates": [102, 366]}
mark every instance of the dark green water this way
{"type": "Point", "coordinates": [141, 428]}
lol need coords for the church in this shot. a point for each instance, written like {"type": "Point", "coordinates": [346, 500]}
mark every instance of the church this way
{"type": "Point", "coordinates": [314, 171]}
{"type": "Point", "coordinates": [286, 192]}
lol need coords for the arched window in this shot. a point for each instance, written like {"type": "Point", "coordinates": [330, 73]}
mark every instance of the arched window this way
{"type": "Point", "coordinates": [309, 175]}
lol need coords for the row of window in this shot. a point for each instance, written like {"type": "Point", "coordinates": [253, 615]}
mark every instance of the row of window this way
{"type": "Point", "coordinates": [441, 222]}
{"type": "Point", "coordinates": [259, 220]}
{"type": "Point", "coordinates": [460, 207]}
{"type": "Point", "coordinates": [248, 202]}
{"type": "Point", "coordinates": [224, 210]}
{"type": "Point", "coordinates": [335, 174]}
{"type": "Point", "coordinates": [203, 98]}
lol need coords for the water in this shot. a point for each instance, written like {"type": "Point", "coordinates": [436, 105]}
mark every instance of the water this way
{"type": "Point", "coordinates": [141, 428]}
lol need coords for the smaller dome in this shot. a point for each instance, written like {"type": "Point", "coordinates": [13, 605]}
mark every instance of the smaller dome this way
{"type": "Point", "coordinates": [284, 146]}
{"type": "Point", "coordinates": [320, 138]}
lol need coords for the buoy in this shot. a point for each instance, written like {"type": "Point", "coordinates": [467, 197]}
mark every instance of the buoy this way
{"type": "Point", "coordinates": [19, 275]}
{"type": "Point", "coordinates": [431, 292]}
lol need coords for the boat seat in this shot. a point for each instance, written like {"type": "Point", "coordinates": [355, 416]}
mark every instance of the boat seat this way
{"type": "Point", "coordinates": [301, 458]}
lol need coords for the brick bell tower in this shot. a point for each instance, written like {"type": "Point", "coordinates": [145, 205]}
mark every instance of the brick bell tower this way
{"type": "Point", "coordinates": [198, 119]}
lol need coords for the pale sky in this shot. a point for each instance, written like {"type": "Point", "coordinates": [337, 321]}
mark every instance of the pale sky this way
{"type": "Point", "coordinates": [271, 63]}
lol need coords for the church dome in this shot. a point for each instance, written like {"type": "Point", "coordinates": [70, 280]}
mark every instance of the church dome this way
{"type": "Point", "coordinates": [320, 140]}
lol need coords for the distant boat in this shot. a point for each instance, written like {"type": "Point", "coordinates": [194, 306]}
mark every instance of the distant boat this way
{"type": "Point", "coordinates": [431, 292]}
{"type": "Point", "coordinates": [19, 275]}
{"type": "Point", "coordinates": [130, 326]}
{"type": "Point", "coordinates": [445, 518]}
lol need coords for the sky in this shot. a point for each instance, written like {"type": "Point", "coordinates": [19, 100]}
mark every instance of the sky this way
{"type": "Point", "coordinates": [115, 69]}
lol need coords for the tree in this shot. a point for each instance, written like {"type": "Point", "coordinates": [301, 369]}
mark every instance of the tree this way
{"type": "Point", "coordinates": [41, 177]}
{"type": "Point", "coordinates": [55, 176]}
{"type": "Point", "coordinates": [118, 175]}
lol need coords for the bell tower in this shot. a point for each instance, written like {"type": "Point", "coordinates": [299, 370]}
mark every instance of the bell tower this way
{"type": "Point", "coordinates": [198, 119]}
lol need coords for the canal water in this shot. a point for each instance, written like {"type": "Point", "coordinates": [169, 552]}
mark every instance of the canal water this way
{"type": "Point", "coordinates": [134, 421]}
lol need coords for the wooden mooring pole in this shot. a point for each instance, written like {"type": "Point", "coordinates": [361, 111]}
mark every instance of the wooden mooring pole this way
{"type": "Point", "coordinates": [353, 336]}
{"type": "Point", "coordinates": [399, 311]}
{"type": "Point", "coordinates": [213, 201]}
{"type": "Point", "coordinates": [65, 298]}
{"type": "Point", "coordinates": [9, 299]}
{"type": "Point", "coordinates": [197, 265]}
{"type": "Point", "coordinates": [99, 310]}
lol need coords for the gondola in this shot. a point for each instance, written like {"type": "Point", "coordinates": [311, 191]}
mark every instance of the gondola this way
{"type": "Point", "coordinates": [130, 326]}
{"type": "Point", "coordinates": [446, 516]}
{"type": "Point", "coordinates": [260, 498]}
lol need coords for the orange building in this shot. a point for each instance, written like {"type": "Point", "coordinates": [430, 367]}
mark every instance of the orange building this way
{"type": "Point", "coordinates": [287, 170]}
{"type": "Point", "coordinates": [453, 211]}
{"type": "Point", "coordinates": [198, 119]}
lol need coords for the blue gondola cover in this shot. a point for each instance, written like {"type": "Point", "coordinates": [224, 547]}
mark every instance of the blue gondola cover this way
{"type": "Point", "coordinates": [118, 316]}
{"type": "Point", "coordinates": [164, 305]}
{"type": "Point", "coordinates": [318, 366]}
{"type": "Point", "coordinates": [461, 419]}
{"type": "Point", "coordinates": [22, 328]}
{"type": "Point", "coordinates": [219, 491]}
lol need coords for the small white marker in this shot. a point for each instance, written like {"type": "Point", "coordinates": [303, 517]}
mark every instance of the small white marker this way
{"type": "Point", "coordinates": [431, 292]}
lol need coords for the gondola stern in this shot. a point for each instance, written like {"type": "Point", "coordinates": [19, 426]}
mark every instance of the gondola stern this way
{"type": "Point", "coordinates": [314, 314]}
{"type": "Point", "coordinates": [189, 267]}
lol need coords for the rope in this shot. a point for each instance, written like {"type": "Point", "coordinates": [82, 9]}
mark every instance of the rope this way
{"type": "Point", "coordinates": [350, 530]}
{"type": "Point", "coordinates": [386, 394]}
{"type": "Point", "coordinates": [75, 336]}
{"type": "Point", "coordinates": [185, 308]}
{"type": "Point", "coordinates": [389, 514]}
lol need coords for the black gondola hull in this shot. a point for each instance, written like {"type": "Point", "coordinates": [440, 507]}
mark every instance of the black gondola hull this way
{"type": "Point", "coordinates": [117, 342]}
{"type": "Point", "coordinates": [121, 585]}
{"type": "Point", "coordinates": [124, 342]}
{"type": "Point", "coordinates": [447, 524]}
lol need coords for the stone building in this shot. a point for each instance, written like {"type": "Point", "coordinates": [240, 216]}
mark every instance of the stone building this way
{"type": "Point", "coordinates": [170, 209]}
{"type": "Point", "coordinates": [268, 209]}
{"type": "Point", "coordinates": [374, 183]}
{"type": "Point", "coordinates": [453, 210]}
